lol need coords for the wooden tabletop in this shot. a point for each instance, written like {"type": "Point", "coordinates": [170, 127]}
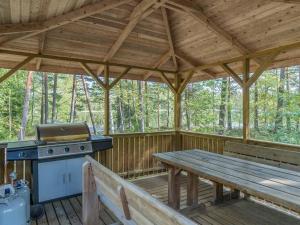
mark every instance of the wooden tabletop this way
{"type": "Point", "coordinates": [274, 184]}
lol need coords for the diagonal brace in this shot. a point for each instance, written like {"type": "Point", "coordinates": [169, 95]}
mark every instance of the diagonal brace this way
{"type": "Point", "coordinates": [266, 63]}
{"type": "Point", "coordinates": [90, 72]}
{"type": "Point", "coordinates": [17, 67]}
{"type": "Point", "coordinates": [233, 74]}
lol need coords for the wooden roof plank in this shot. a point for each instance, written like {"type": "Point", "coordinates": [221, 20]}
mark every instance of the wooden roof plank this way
{"type": "Point", "coordinates": [69, 17]}
{"type": "Point", "coordinates": [140, 11]}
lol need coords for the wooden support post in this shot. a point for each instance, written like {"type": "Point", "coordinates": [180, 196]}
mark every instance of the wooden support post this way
{"type": "Point", "coordinates": [246, 129]}
{"type": "Point", "coordinates": [124, 202]}
{"type": "Point", "coordinates": [217, 192]}
{"type": "Point", "coordinates": [90, 201]}
{"type": "Point", "coordinates": [192, 189]}
{"type": "Point", "coordinates": [106, 101]}
{"type": "Point", "coordinates": [174, 188]}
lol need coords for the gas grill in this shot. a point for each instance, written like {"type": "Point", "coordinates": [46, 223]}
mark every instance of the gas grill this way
{"type": "Point", "coordinates": [56, 158]}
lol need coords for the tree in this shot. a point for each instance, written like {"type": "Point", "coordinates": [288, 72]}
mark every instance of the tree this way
{"type": "Point", "coordinates": [222, 106]}
{"type": "Point", "coordinates": [46, 102]}
{"type": "Point", "coordinates": [54, 99]}
{"type": "Point", "coordinates": [229, 120]}
{"type": "Point", "coordinates": [280, 101]}
{"type": "Point", "coordinates": [28, 87]}
{"type": "Point", "coordinates": [255, 106]}
{"type": "Point", "coordinates": [141, 107]}
{"type": "Point", "coordinates": [73, 101]}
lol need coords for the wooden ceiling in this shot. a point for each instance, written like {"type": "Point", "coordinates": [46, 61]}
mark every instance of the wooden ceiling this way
{"type": "Point", "coordinates": [168, 34]}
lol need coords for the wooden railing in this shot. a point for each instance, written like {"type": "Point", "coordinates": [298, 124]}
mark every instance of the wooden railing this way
{"type": "Point", "coordinates": [216, 143]}
{"type": "Point", "coordinates": [131, 155]}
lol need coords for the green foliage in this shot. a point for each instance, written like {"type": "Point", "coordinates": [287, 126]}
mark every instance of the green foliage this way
{"type": "Point", "coordinates": [138, 106]}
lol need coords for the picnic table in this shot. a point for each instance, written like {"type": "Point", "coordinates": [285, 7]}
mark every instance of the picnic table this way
{"type": "Point", "coordinates": [277, 185]}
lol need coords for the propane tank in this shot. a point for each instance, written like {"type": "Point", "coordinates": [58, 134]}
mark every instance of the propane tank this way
{"type": "Point", "coordinates": [22, 189]}
{"type": "Point", "coordinates": [12, 207]}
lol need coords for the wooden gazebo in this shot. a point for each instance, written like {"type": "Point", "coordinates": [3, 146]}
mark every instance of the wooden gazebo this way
{"type": "Point", "coordinates": [170, 41]}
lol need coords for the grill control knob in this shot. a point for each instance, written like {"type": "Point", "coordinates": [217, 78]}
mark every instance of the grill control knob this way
{"type": "Point", "coordinates": [67, 149]}
{"type": "Point", "coordinates": [50, 151]}
{"type": "Point", "coordinates": [22, 154]}
{"type": "Point", "coordinates": [82, 148]}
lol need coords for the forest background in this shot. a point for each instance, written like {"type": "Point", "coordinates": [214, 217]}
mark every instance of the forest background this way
{"type": "Point", "coordinates": [215, 106]}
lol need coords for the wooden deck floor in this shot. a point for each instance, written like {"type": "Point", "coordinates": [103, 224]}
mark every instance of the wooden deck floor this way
{"type": "Point", "coordinates": [240, 212]}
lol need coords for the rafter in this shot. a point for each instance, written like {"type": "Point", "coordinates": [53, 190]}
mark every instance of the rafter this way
{"type": "Point", "coordinates": [63, 19]}
{"type": "Point", "coordinates": [162, 60]}
{"type": "Point", "coordinates": [196, 12]}
{"type": "Point", "coordinates": [169, 34]}
{"type": "Point", "coordinates": [288, 1]}
{"type": "Point", "coordinates": [142, 10]}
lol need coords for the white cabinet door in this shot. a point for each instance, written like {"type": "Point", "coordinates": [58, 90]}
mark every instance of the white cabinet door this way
{"type": "Point", "coordinates": [52, 180]}
{"type": "Point", "coordinates": [74, 174]}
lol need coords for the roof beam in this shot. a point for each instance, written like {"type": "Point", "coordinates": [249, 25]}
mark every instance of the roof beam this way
{"type": "Point", "coordinates": [197, 13]}
{"type": "Point", "coordinates": [63, 19]}
{"type": "Point", "coordinates": [141, 11]}
{"type": "Point", "coordinates": [169, 34]}
{"type": "Point", "coordinates": [80, 60]}
{"type": "Point", "coordinates": [288, 1]}
{"type": "Point", "coordinates": [262, 53]}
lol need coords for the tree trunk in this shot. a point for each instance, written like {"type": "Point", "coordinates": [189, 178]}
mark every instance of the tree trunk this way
{"type": "Point", "coordinates": [186, 102]}
{"type": "Point", "coordinates": [168, 107]}
{"type": "Point", "coordinates": [121, 113]}
{"type": "Point", "coordinates": [128, 107]}
{"type": "Point", "coordinates": [146, 104]}
{"type": "Point", "coordinates": [229, 120]}
{"type": "Point", "coordinates": [87, 98]}
{"type": "Point", "coordinates": [158, 109]}
{"type": "Point", "coordinates": [9, 114]}
{"type": "Point", "coordinates": [141, 106]}
{"type": "Point", "coordinates": [28, 87]}
{"type": "Point", "coordinates": [298, 120]}
{"type": "Point", "coordinates": [46, 98]}
{"type": "Point", "coordinates": [288, 118]}
{"type": "Point", "coordinates": [32, 103]}
{"type": "Point", "coordinates": [54, 99]}
{"type": "Point", "coordinates": [255, 107]}
{"type": "Point", "coordinates": [73, 100]}
{"type": "Point", "coordinates": [111, 118]}
{"type": "Point", "coordinates": [42, 120]}
{"type": "Point", "coordinates": [222, 106]}
{"type": "Point", "coordinates": [280, 101]}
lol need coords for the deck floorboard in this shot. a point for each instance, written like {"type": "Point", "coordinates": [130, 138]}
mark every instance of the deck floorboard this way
{"type": "Point", "coordinates": [234, 212]}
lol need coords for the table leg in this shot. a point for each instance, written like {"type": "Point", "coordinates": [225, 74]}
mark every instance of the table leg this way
{"type": "Point", "coordinates": [217, 192]}
{"type": "Point", "coordinates": [174, 188]}
{"type": "Point", "coordinates": [192, 189]}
